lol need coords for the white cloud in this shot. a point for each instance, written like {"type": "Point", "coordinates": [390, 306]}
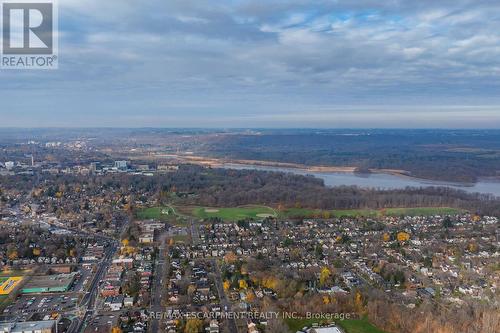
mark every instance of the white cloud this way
{"type": "Point", "coordinates": [230, 53]}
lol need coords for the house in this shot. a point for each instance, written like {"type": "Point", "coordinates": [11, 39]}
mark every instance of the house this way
{"type": "Point", "coordinates": [146, 238]}
{"type": "Point", "coordinates": [213, 327]}
{"type": "Point", "coordinates": [252, 328]}
{"type": "Point", "coordinates": [115, 303]}
{"type": "Point", "coordinates": [128, 302]}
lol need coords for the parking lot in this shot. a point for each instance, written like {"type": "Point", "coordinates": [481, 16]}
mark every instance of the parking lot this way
{"type": "Point", "coordinates": [26, 306]}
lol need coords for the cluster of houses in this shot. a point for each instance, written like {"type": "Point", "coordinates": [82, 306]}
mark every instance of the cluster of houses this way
{"type": "Point", "coordinates": [191, 288]}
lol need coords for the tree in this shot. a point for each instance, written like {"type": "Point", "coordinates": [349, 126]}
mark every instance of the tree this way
{"type": "Point", "coordinates": [324, 276]}
{"type": "Point", "coordinates": [194, 325]}
{"type": "Point", "coordinates": [12, 253]}
{"type": "Point", "coordinates": [250, 296]}
{"type": "Point", "coordinates": [243, 284]}
{"type": "Point", "coordinates": [403, 236]}
{"type": "Point", "coordinates": [226, 285]}
{"type": "Point", "coordinates": [230, 258]}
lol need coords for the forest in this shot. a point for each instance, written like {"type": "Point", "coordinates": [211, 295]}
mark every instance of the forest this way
{"type": "Point", "coordinates": [461, 156]}
{"type": "Point", "coordinates": [195, 185]}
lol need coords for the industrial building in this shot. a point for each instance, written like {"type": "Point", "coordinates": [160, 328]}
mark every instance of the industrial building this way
{"type": "Point", "coordinates": [46, 326]}
{"type": "Point", "coordinates": [49, 284]}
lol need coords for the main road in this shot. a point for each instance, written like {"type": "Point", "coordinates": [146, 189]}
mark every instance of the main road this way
{"type": "Point", "coordinates": [157, 290]}
{"type": "Point", "coordinates": [88, 301]}
{"type": "Point", "coordinates": [225, 303]}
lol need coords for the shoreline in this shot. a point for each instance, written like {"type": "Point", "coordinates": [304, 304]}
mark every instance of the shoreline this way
{"type": "Point", "coordinates": [222, 162]}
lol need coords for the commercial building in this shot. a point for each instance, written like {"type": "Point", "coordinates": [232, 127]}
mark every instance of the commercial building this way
{"type": "Point", "coordinates": [49, 284]}
{"type": "Point", "coordinates": [46, 326]}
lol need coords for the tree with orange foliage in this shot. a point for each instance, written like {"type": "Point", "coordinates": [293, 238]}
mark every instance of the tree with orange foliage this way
{"type": "Point", "coordinates": [403, 236]}
{"type": "Point", "coordinates": [324, 276]}
{"type": "Point", "coordinates": [243, 284]}
{"type": "Point", "coordinates": [250, 296]}
{"type": "Point", "coordinates": [359, 302]}
{"type": "Point", "coordinates": [230, 258]}
{"type": "Point", "coordinates": [12, 253]}
{"type": "Point", "coordinates": [116, 329]}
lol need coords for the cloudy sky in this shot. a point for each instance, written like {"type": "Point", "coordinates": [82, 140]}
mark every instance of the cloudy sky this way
{"type": "Point", "coordinates": [265, 63]}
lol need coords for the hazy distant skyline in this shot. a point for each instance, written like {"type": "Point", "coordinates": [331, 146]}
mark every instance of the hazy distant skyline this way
{"type": "Point", "coordinates": [265, 63]}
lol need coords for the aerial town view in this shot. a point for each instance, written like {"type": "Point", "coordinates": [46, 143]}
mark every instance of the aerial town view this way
{"type": "Point", "coordinates": [104, 233]}
{"type": "Point", "coordinates": [249, 166]}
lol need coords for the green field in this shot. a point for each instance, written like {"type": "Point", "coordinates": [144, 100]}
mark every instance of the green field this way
{"type": "Point", "coordinates": [3, 279]}
{"type": "Point", "coordinates": [358, 326]}
{"type": "Point", "coordinates": [349, 326]}
{"type": "Point", "coordinates": [156, 213]}
{"type": "Point", "coordinates": [424, 211]}
{"type": "Point", "coordinates": [175, 215]}
{"type": "Point", "coordinates": [233, 214]}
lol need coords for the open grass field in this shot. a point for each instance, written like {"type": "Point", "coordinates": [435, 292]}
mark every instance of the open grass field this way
{"type": "Point", "coordinates": [156, 213]}
{"type": "Point", "coordinates": [424, 211]}
{"type": "Point", "coordinates": [358, 326]}
{"type": "Point", "coordinates": [234, 214]}
{"type": "Point", "coordinates": [175, 215]}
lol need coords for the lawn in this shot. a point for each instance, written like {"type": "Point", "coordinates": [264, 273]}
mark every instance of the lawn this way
{"type": "Point", "coordinates": [156, 213]}
{"type": "Point", "coordinates": [176, 214]}
{"type": "Point", "coordinates": [233, 214]}
{"type": "Point", "coordinates": [358, 326]}
{"type": "Point", "coordinates": [317, 213]}
{"type": "Point", "coordinates": [425, 211]}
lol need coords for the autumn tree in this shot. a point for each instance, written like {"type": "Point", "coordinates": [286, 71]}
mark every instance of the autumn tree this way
{"type": "Point", "coordinates": [324, 276]}
{"type": "Point", "coordinates": [194, 325]}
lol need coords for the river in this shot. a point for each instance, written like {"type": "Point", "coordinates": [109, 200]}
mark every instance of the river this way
{"type": "Point", "coordinates": [378, 180]}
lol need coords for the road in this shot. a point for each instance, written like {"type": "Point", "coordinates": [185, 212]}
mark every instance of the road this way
{"type": "Point", "coordinates": [88, 301]}
{"type": "Point", "coordinates": [157, 289]}
{"type": "Point", "coordinates": [195, 236]}
{"type": "Point", "coordinates": [226, 305]}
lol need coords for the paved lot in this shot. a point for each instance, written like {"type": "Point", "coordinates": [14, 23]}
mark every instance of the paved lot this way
{"type": "Point", "coordinates": [27, 305]}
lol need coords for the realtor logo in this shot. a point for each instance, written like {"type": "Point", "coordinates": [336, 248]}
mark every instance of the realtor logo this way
{"type": "Point", "coordinates": [28, 34]}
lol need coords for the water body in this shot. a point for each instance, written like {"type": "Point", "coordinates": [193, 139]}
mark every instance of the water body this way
{"type": "Point", "coordinates": [378, 180]}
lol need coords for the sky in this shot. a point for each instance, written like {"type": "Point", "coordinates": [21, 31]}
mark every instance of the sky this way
{"type": "Point", "coordinates": [265, 63]}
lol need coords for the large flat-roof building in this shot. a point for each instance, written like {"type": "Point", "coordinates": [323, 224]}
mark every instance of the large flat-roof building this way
{"type": "Point", "coordinates": [49, 284]}
{"type": "Point", "coordinates": [46, 326]}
